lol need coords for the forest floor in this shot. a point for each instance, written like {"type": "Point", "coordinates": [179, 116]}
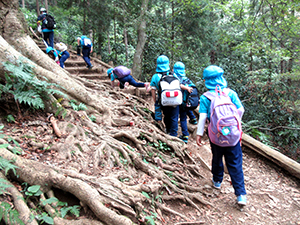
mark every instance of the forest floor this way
{"type": "Point", "coordinates": [273, 194]}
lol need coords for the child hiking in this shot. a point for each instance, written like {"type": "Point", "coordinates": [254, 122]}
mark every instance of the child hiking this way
{"type": "Point", "coordinates": [170, 112]}
{"type": "Point", "coordinates": [224, 134]}
{"type": "Point", "coordinates": [179, 70]}
{"type": "Point", "coordinates": [123, 74]}
{"type": "Point", "coordinates": [63, 54]}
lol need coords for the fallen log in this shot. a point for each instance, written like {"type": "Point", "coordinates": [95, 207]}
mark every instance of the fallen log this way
{"type": "Point", "coordinates": [278, 158]}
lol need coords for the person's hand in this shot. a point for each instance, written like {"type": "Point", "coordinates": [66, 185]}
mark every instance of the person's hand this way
{"type": "Point", "coordinates": [190, 89]}
{"type": "Point", "coordinates": [198, 140]}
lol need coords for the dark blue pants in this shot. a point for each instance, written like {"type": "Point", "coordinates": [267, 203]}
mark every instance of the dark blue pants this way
{"type": "Point", "coordinates": [131, 81]}
{"type": "Point", "coordinates": [183, 121]}
{"type": "Point", "coordinates": [86, 55]}
{"type": "Point", "coordinates": [190, 114]}
{"type": "Point", "coordinates": [171, 119]}
{"type": "Point", "coordinates": [234, 160]}
{"type": "Point", "coordinates": [158, 113]}
{"type": "Point", "coordinates": [49, 38]}
{"type": "Point", "coordinates": [65, 55]}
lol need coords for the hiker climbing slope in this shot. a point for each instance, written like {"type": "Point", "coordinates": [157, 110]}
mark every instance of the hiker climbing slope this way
{"type": "Point", "coordinates": [47, 24]}
{"type": "Point", "coordinates": [87, 48]}
{"type": "Point", "coordinates": [123, 74]}
{"type": "Point", "coordinates": [224, 110]}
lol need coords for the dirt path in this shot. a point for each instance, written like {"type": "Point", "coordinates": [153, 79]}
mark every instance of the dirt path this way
{"type": "Point", "coordinates": [273, 195]}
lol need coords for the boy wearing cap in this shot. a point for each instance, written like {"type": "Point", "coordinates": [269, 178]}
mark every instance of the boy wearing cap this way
{"type": "Point", "coordinates": [48, 34]}
{"type": "Point", "coordinates": [170, 112]}
{"type": "Point", "coordinates": [213, 76]}
{"type": "Point", "coordinates": [179, 70]}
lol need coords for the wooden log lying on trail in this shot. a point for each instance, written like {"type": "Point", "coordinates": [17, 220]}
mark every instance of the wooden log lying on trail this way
{"type": "Point", "coordinates": [278, 158]}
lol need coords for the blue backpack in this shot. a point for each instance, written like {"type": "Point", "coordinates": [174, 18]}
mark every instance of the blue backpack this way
{"type": "Point", "coordinates": [190, 100]}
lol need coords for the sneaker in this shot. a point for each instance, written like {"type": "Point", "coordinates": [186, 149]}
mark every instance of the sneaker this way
{"type": "Point", "coordinates": [193, 121]}
{"type": "Point", "coordinates": [147, 85]}
{"type": "Point", "coordinates": [217, 184]}
{"type": "Point", "coordinates": [126, 85]}
{"type": "Point", "coordinates": [242, 200]}
{"type": "Point", "coordinates": [184, 138]}
{"type": "Point", "coordinates": [90, 67]}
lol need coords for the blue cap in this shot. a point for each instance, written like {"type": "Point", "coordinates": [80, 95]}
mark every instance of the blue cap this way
{"type": "Point", "coordinates": [109, 71]}
{"type": "Point", "coordinates": [179, 69]}
{"type": "Point", "coordinates": [48, 49]}
{"type": "Point", "coordinates": [163, 64]}
{"type": "Point", "coordinates": [213, 76]}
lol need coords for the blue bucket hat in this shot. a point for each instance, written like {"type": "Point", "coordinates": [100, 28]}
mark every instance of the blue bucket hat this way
{"type": "Point", "coordinates": [109, 71]}
{"type": "Point", "coordinates": [163, 64]}
{"type": "Point", "coordinates": [179, 69]}
{"type": "Point", "coordinates": [213, 76]}
{"type": "Point", "coordinates": [48, 49]}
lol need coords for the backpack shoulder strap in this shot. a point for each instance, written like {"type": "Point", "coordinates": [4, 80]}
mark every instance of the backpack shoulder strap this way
{"type": "Point", "coordinates": [209, 95]}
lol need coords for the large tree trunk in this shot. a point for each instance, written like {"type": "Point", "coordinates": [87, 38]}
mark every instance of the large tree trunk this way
{"type": "Point", "coordinates": [138, 55]}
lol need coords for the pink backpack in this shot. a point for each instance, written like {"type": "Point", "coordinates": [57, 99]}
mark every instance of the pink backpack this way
{"type": "Point", "coordinates": [121, 71]}
{"type": "Point", "coordinates": [225, 127]}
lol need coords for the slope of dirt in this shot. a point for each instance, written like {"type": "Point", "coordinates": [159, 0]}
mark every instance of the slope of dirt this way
{"type": "Point", "coordinates": [273, 195]}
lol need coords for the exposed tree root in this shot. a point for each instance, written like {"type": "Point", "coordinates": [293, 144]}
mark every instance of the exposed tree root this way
{"type": "Point", "coordinates": [19, 203]}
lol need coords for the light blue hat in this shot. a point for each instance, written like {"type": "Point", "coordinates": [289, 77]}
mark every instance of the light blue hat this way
{"type": "Point", "coordinates": [213, 76]}
{"type": "Point", "coordinates": [179, 69]}
{"type": "Point", "coordinates": [48, 49]}
{"type": "Point", "coordinates": [163, 64]}
{"type": "Point", "coordinates": [109, 71]}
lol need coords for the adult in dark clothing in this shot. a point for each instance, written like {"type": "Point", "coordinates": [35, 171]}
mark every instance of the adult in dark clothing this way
{"type": "Point", "coordinates": [48, 34]}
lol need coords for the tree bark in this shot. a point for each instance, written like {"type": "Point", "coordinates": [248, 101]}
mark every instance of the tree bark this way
{"type": "Point", "coordinates": [35, 173]}
{"type": "Point", "coordinates": [138, 55]}
{"type": "Point", "coordinates": [278, 158]}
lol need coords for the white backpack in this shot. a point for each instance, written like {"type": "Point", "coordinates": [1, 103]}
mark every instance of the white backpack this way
{"type": "Point", "coordinates": [170, 91]}
{"type": "Point", "coordinates": [61, 47]}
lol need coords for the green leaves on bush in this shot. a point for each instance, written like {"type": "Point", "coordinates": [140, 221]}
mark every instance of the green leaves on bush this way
{"type": "Point", "coordinates": [76, 107]}
{"type": "Point", "coordinates": [26, 87]}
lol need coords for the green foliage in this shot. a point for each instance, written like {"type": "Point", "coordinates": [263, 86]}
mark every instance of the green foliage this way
{"type": "Point", "coordinates": [5, 164]}
{"type": "Point", "coordinates": [76, 107]}
{"type": "Point", "coordinates": [93, 118]}
{"type": "Point", "coordinates": [3, 186]}
{"type": "Point", "coordinates": [275, 106]}
{"type": "Point", "coordinates": [10, 118]}
{"type": "Point", "coordinates": [62, 208]}
{"type": "Point", "coordinates": [34, 191]}
{"type": "Point", "coordinates": [9, 215]}
{"type": "Point", "coordinates": [7, 212]}
{"type": "Point", "coordinates": [44, 218]}
{"type": "Point", "coordinates": [30, 16]}
{"type": "Point", "coordinates": [25, 87]}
